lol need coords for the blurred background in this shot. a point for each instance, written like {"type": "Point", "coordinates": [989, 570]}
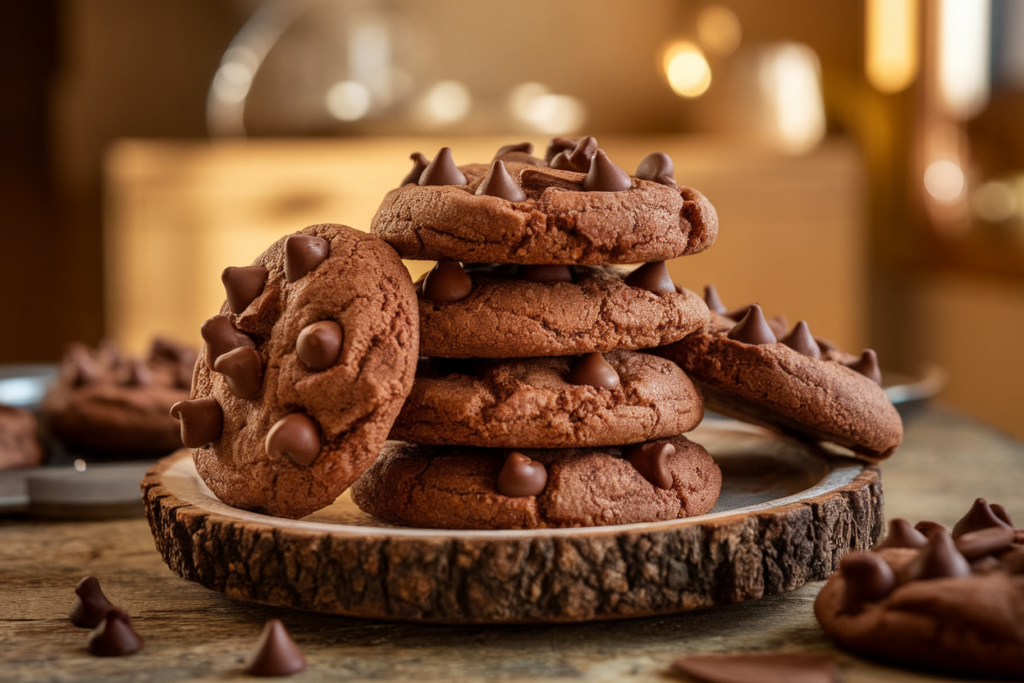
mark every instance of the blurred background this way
{"type": "Point", "coordinates": [866, 157]}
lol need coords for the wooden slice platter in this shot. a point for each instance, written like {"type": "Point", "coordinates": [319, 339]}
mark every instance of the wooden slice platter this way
{"type": "Point", "coordinates": [788, 512]}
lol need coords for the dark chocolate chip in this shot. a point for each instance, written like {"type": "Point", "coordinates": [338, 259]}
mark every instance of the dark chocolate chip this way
{"type": "Point", "coordinates": [938, 559]}
{"type": "Point", "coordinates": [114, 637]}
{"type": "Point", "coordinates": [524, 147]}
{"type": "Point", "coordinates": [135, 373]}
{"type": "Point", "coordinates": [867, 365]}
{"type": "Point", "coordinates": [202, 420]}
{"type": "Point", "coordinates": [975, 544]}
{"type": "Point", "coordinates": [593, 370]}
{"type": "Point", "coordinates": [303, 254]}
{"type": "Point", "coordinates": [499, 183]}
{"type": "Point", "coordinates": [546, 273]}
{"type": "Point", "coordinates": [986, 564]}
{"type": "Point", "coordinates": [419, 165]}
{"type": "Point", "coordinates": [276, 654]}
{"type": "Point", "coordinates": [221, 336]}
{"type": "Point", "coordinates": [319, 345]}
{"type": "Point", "coordinates": [928, 528]}
{"type": "Point", "coordinates": [980, 516]}
{"type": "Point", "coordinates": [295, 436]}
{"type": "Point", "coordinates": [442, 170]}
{"type": "Point", "coordinates": [753, 328]}
{"type": "Point", "coordinates": [651, 461]}
{"type": "Point", "coordinates": [712, 299]}
{"type": "Point", "coordinates": [242, 285]}
{"type": "Point", "coordinates": [802, 341]}
{"type": "Point", "coordinates": [447, 282]}
{"type": "Point", "coordinates": [771, 667]}
{"type": "Point", "coordinates": [83, 368]}
{"type": "Point", "coordinates": [1001, 513]}
{"type": "Point", "coordinates": [579, 157]}
{"type": "Point", "coordinates": [902, 535]}
{"type": "Point", "coordinates": [90, 605]}
{"type": "Point", "coordinates": [520, 476]}
{"type": "Point", "coordinates": [738, 313]}
{"type": "Point", "coordinates": [561, 162]}
{"type": "Point", "coordinates": [559, 145]}
{"type": "Point", "coordinates": [653, 277]}
{"type": "Point", "coordinates": [243, 371]}
{"type": "Point", "coordinates": [658, 168]}
{"type": "Point", "coordinates": [605, 176]}
{"type": "Point", "coordinates": [867, 578]}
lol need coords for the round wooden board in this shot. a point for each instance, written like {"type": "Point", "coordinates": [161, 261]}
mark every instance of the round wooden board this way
{"type": "Point", "coordinates": [788, 512]}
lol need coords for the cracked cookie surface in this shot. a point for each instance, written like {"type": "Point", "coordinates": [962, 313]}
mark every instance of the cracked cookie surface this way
{"type": "Point", "coordinates": [456, 488]}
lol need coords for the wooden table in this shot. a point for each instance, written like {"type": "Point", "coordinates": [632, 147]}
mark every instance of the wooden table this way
{"type": "Point", "coordinates": [194, 634]}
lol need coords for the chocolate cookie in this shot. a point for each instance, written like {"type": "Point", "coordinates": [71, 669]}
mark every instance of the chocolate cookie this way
{"type": "Point", "coordinates": [560, 402]}
{"type": "Point", "coordinates": [465, 488]}
{"type": "Point", "coordinates": [514, 311]}
{"type": "Point", "coordinates": [109, 405]}
{"type": "Point", "coordinates": [581, 210]}
{"type": "Point", "coordinates": [950, 604]}
{"type": "Point", "coordinates": [795, 383]}
{"type": "Point", "coordinates": [303, 371]}
{"type": "Point", "coordinates": [19, 439]}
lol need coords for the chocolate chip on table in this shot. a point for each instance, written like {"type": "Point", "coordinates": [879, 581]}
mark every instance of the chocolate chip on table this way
{"type": "Point", "coordinates": [520, 476]}
{"type": "Point", "coordinates": [447, 282]}
{"type": "Point", "coordinates": [202, 420]}
{"type": "Point", "coordinates": [442, 170]}
{"type": "Point", "coordinates": [752, 328]}
{"type": "Point", "coordinates": [242, 285]}
{"type": "Point", "coordinates": [867, 365]}
{"type": "Point", "coordinates": [593, 370]}
{"type": "Point", "coordinates": [90, 605]}
{"type": "Point", "coordinates": [303, 254]}
{"type": "Point", "coordinates": [221, 336]}
{"type": "Point", "coordinates": [651, 461]}
{"type": "Point", "coordinates": [276, 654]}
{"type": "Point", "coordinates": [545, 273]}
{"type": "Point", "coordinates": [653, 277]}
{"type": "Point", "coordinates": [114, 636]}
{"type": "Point", "coordinates": [868, 578]}
{"type": "Point", "coordinates": [319, 345]}
{"type": "Point", "coordinates": [499, 183]}
{"type": "Point", "coordinates": [902, 535]}
{"type": "Point", "coordinates": [712, 299]}
{"type": "Point", "coordinates": [295, 436]}
{"type": "Point", "coordinates": [658, 168]}
{"type": "Point", "coordinates": [938, 559]}
{"type": "Point", "coordinates": [980, 516]}
{"type": "Point", "coordinates": [419, 165]}
{"type": "Point", "coordinates": [802, 341]}
{"type": "Point", "coordinates": [243, 371]}
{"type": "Point", "coordinates": [605, 176]}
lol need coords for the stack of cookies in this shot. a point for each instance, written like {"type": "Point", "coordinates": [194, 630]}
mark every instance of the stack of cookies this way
{"type": "Point", "coordinates": [533, 406]}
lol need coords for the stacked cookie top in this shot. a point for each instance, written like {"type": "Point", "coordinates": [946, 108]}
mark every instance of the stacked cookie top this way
{"type": "Point", "coordinates": [533, 407]}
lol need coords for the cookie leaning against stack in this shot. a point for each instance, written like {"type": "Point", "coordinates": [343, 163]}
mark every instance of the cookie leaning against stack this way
{"type": "Point", "coordinates": [534, 407]}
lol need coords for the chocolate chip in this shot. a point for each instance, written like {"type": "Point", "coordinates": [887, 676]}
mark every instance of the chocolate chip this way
{"type": "Point", "coordinates": [605, 176]}
{"type": "Point", "coordinates": [651, 461]}
{"type": "Point", "coordinates": [593, 370]}
{"type": "Point", "coordinates": [1001, 513]}
{"type": "Point", "coordinates": [980, 516]}
{"type": "Point", "coordinates": [243, 371]}
{"type": "Point", "coordinates": [986, 564]}
{"type": "Point", "coordinates": [447, 282]}
{"type": "Point", "coordinates": [242, 285]}
{"type": "Point", "coordinates": [419, 165]}
{"type": "Point", "coordinates": [499, 183]}
{"type": "Point", "coordinates": [294, 436]}
{"type": "Point", "coordinates": [772, 667]}
{"type": "Point", "coordinates": [902, 535]}
{"type": "Point", "coordinates": [163, 349]}
{"type": "Point", "coordinates": [938, 559]}
{"type": "Point", "coordinates": [658, 168]}
{"type": "Point", "coordinates": [738, 313]}
{"type": "Point", "coordinates": [867, 577]}
{"type": "Point", "coordinates": [545, 273]}
{"type": "Point", "coordinates": [712, 299]}
{"type": "Point", "coordinates": [802, 341]}
{"type": "Point", "coordinates": [276, 654]}
{"type": "Point", "coordinates": [114, 637]}
{"type": "Point", "coordinates": [221, 336]}
{"type": "Point", "coordinates": [520, 476]}
{"type": "Point", "coordinates": [302, 255]}
{"type": "Point", "coordinates": [442, 170]}
{"type": "Point", "coordinates": [524, 147]}
{"type": "Point", "coordinates": [867, 365]}
{"type": "Point", "coordinates": [319, 345]}
{"type": "Point", "coordinates": [929, 528]}
{"type": "Point", "coordinates": [82, 367]}
{"type": "Point", "coordinates": [753, 328]}
{"type": "Point", "coordinates": [202, 420]}
{"type": "Point", "coordinates": [135, 373]}
{"type": "Point", "coordinates": [653, 277]}
{"type": "Point", "coordinates": [90, 605]}
{"type": "Point", "coordinates": [576, 158]}
{"type": "Point", "coordinates": [976, 544]}
{"type": "Point", "coordinates": [559, 145]}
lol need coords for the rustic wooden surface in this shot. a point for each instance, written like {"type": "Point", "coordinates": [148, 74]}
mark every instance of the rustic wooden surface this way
{"type": "Point", "coordinates": [196, 634]}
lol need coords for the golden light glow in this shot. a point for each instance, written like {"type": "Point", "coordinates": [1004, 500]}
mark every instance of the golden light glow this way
{"type": "Point", "coordinates": [944, 181]}
{"type": "Point", "coordinates": [718, 29]}
{"type": "Point", "coordinates": [964, 46]}
{"type": "Point", "coordinates": [687, 70]}
{"type": "Point", "coordinates": [891, 54]}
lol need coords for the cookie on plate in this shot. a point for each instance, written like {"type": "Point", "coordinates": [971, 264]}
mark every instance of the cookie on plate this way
{"type": "Point", "coordinates": [581, 209]}
{"type": "Point", "coordinates": [953, 604]}
{"type": "Point", "coordinates": [557, 402]}
{"type": "Point", "coordinates": [302, 372]}
{"type": "Point", "coordinates": [510, 311]}
{"type": "Point", "coordinates": [19, 439]}
{"type": "Point", "coordinates": [448, 487]}
{"type": "Point", "coordinates": [792, 382]}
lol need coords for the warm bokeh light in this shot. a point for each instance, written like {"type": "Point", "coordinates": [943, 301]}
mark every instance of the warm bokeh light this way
{"type": "Point", "coordinates": [719, 31]}
{"type": "Point", "coordinates": [790, 81]}
{"type": "Point", "coordinates": [944, 181]}
{"type": "Point", "coordinates": [964, 55]}
{"type": "Point", "coordinates": [446, 102]}
{"type": "Point", "coordinates": [891, 51]}
{"type": "Point", "coordinates": [995, 201]}
{"type": "Point", "coordinates": [348, 100]}
{"type": "Point", "coordinates": [687, 70]}
{"type": "Point", "coordinates": [546, 112]}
